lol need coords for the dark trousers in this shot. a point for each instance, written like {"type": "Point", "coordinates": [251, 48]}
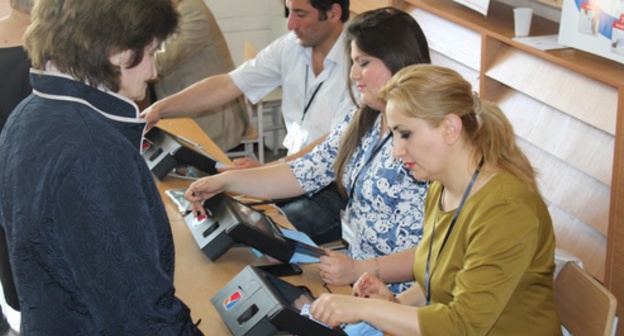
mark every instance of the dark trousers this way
{"type": "Point", "coordinates": [318, 216]}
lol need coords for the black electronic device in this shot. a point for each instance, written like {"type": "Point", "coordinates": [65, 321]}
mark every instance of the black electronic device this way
{"type": "Point", "coordinates": [230, 222]}
{"type": "Point", "coordinates": [163, 151]}
{"type": "Point", "coordinates": [281, 270]}
{"type": "Point", "coordinates": [260, 304]}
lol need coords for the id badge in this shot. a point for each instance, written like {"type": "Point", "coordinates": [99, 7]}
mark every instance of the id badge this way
{"type": "Point", "coordinates": [295, 138]}
{"type": "Point", "coordinates": [348, 228]}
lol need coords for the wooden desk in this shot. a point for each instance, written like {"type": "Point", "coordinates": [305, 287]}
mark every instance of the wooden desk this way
{"type": "Point", "coordinates": [197, 278]}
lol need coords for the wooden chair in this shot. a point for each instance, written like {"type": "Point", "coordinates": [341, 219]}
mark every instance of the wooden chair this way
{"type": "Point", "coordinates": [585, 306]}
{"type": "Point", "coordinates": [271, 104]}
{"type": "Point", "coordinates": [254, 133]}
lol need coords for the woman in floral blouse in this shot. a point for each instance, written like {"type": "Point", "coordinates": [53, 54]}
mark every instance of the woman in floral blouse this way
{"type": "Point", "coordinates": [385, 210]}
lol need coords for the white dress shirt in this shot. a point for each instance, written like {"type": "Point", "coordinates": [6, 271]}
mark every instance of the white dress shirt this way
{"type": "Point", "coordinates": [285, 62]}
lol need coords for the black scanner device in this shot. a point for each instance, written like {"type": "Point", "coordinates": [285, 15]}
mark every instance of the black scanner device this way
{"type": "Point", "coordinates": [163, 151]}
{"type": "Point", "coordinates": [231, 222]}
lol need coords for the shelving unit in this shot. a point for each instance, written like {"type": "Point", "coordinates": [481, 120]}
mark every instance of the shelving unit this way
{"type": "Point", "coordinates": [567, 108]}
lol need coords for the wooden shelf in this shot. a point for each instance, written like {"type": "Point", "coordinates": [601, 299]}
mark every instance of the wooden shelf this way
{"type": "Point", "coordinates": [499, 25]}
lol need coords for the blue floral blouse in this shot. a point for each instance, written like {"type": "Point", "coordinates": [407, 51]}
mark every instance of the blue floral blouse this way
{"type": "Point", "coordinates": [386, 208]}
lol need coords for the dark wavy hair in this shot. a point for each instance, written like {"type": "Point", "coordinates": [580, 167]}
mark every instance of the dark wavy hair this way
{"type": "Point", "coordinates": [397, 40]}
{"type": "Point", "coordinates": [79, 36]}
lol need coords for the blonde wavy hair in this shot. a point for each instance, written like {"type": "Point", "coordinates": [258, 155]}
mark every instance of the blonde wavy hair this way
{"type": "Point", "coordinates": [430, 92]}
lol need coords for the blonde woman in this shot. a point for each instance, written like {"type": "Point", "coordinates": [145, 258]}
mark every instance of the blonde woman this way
{"type": "Point", "coordinates": [486, 261]}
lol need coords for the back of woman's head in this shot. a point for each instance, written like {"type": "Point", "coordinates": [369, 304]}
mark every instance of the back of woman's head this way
{"type": "Point", "coordinates": [24, 6]}
{"type": "Point", "coordinates": [79, 36]}
{"type": "Point", "coordinates": [431, 93]}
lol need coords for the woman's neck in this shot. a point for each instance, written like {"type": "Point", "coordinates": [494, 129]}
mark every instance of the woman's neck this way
{"type": "Point", "coordinates": [457, 179]}
{"type": "Point", "coordinates": [384, 124]}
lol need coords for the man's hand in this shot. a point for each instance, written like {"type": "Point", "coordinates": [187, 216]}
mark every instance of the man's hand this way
{"type": "Point", "coordinates": [151, 116]}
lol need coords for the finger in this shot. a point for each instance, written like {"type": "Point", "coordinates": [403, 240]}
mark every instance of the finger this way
{"type": "Point", "coordinates": [198, 209]}
{"type": "Point", "coordinates": [191, 194]}
{"type": "Point", "coordinates": [240, 162]}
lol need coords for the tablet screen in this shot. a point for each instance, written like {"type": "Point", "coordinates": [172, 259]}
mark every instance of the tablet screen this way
{"type": "Point", "coordinates": [255, 219]}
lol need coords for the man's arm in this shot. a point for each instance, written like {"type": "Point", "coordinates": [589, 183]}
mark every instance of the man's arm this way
{"type": "Point", "coordinates": [245, 163]}
{"type": "Point", "coordinates": [305, 150]}
{"type": "Point", "coordinates": [204, 95]}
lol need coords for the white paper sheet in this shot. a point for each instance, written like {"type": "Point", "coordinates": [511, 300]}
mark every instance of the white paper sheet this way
{"type": "Point", "coordinates": [480, 6]}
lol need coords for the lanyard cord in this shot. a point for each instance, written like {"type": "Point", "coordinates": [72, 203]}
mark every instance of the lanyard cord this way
{"type": "Point", "coordinates": [370, 158]}
{"type": "Point", "coordinates": [307, 106]}
{"type": "Point", "coordinates": [448, 232]}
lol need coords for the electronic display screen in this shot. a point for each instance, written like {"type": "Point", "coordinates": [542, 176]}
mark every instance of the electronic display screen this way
{"type": "Point", "coordinates": [254, 218]}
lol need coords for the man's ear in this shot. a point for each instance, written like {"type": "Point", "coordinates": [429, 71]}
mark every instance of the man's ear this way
{"type": "Point", "coordinates": [335, 12]}
{"type": "Point", "coordinates": [453, 125]}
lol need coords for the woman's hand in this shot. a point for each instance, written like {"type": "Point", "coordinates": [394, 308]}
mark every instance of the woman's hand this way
{"type": "Point", "coordinates": [369, 286]}
{"type": "Point", "coordinates": [338, 269]}
{"type": "Point", "coordinates": [202, 190]}
{"type": "Point", "coordinates": [335, 309]}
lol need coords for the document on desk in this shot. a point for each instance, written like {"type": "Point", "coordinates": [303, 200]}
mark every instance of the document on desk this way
{"type": "Point", "coordinates": [299, 258]}
{"type": "Point", "coordinates": [177, 196]}
{"type": "Point", "coordinates": [546, 42]}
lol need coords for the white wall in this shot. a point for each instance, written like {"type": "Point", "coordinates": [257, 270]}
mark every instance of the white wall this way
{"type": "Point", "coordinates": [256, 21]}
{"type": "Point", "coordinates": [261, 21]}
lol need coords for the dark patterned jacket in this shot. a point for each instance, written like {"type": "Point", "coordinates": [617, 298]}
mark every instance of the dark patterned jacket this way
{"type": "Point", "coordinates": [88, 236]}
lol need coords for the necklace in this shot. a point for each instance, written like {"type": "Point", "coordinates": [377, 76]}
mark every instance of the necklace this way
{"type": "Point", "coordinates": [448, 232]}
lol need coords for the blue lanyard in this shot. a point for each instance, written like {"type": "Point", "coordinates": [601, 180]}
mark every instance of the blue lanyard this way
{"type": "Point", "coordinates": [448, 232]}
{"type": "Point", "coordinates": [307, 106]}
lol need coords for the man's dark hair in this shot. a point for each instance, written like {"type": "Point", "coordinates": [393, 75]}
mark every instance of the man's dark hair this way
{"type": "Point", "coordinates": [324, 5]}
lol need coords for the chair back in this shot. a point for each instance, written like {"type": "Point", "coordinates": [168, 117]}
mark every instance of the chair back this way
{"type": "Point", "coordinates": [254, 133]}
{"type": "Point", "coordinates": [585, 306]}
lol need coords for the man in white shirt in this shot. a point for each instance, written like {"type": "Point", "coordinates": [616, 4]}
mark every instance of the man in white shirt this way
{"type": "Point", "coordinates": [311, 66]}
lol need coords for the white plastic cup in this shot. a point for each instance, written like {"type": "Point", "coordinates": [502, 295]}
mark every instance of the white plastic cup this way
{"type": "Point", "coordinates": [522, 21]}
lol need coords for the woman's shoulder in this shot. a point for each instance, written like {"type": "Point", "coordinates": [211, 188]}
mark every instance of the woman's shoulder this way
{"type": "Point", "coordinates": [507, 187]}
{"type": "Point", "coordinates": [507, 196]}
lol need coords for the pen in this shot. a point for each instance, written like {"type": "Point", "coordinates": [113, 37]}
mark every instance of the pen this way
{"type": "Point", "coordinates": [189, 141]}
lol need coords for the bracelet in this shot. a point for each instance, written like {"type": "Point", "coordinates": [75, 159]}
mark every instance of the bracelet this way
{"type": "Point", "coordinates": [376, 272]}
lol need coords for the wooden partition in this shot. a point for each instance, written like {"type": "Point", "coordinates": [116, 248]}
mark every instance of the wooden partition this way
{"type": "Point", "coordinates": [567, 110]}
